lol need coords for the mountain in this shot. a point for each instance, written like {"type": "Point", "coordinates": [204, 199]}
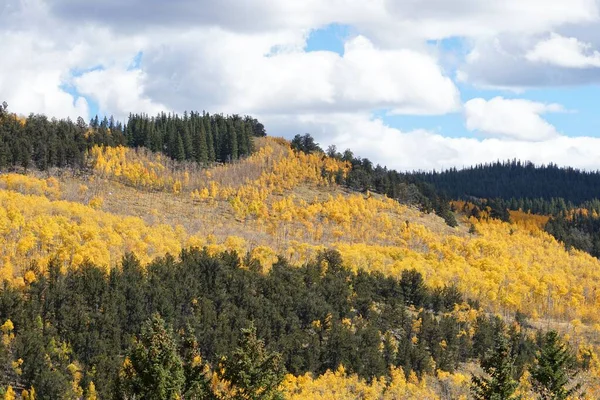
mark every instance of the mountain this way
{"type": "Point", "coordinates": [285, 271]}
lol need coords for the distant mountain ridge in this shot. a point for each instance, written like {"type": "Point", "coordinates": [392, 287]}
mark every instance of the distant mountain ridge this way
{"type": "Point", "coordinates": [516, 179]}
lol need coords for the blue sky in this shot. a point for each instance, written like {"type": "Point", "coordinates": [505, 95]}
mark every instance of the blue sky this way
{"type": "Point", "coordinates": [581, 103]}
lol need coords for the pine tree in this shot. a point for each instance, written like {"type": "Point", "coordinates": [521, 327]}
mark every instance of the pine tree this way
{"type": "Point", "coordinates": [179, 154]}
{"type": "Point", "coordinates": [3, 111]}
{"type": "Point", "coordinates": [554, 370]}
{"type": "Point", "coordinates": [202, 156]}
{"type": "Point", "coordinates": [153, 369]}
{"type": "Point", "coordinates": [196, 372]}
{"type": "Point", "coordinates": [254, 372]}
{"type": "Point", "coordinates": [498, 365]}
{"type": "Point", "coordinates": [210, 141]}
{"type": "Point", "coordinates": [233, 141]}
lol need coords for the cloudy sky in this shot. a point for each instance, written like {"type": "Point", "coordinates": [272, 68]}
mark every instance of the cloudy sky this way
{"type": "Point", "coordinates": [410, 84]}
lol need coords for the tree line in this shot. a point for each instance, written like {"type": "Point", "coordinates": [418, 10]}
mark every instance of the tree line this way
{"type": "Point", "coordinates": [36, 141]}
{"type": "Point", "coordinates": [516, 179]}
{"type": "Point", "coordinates": [162, 328]}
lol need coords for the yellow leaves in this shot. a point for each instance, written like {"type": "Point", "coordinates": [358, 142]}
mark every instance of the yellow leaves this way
{"type": "Point", "coordinates": [235, 243]}
{"type": "Point", "coordinates": [91, 392]}
{"type": "Point", "coordinates": [40, 229]}
{"type": "Point", "coordinates": [29, 277]}
{"type": "Point", "coordinates": [177, 185]}
{"type": "Point", "coordinates": [196, 361]}
{"type": "Point", "coordinates": [340, 385]}
{"type": "Point", "coordinates": [416, 325]}
{"type": "Point", "coordinates": [7, 332]}
{"type": "Point", "coordinates": [135, 167]}
{"type": "Point", "coordinates": [10, 394]}
{"type": "Point", "coordinates": [506, 267]}
{"type": "Point", "coordinates": [28, 394]}
{"type": "Point", "coordinates": [266, 256]}
{"type": "Point", "coordinates": [16, 366]}
{"type": "Point", "coordinates": [27, 184]}
{"type": "Point", "coordinates": [96, 202]}
{"type": "Point", "coordinates": [7, 327]}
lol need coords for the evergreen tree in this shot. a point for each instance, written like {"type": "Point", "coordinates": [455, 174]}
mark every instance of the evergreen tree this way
{"type": "Point", "coordinates": [210, 139]}
{"type": "Point", "coordinates": [179, 154]}
{"type": "Point", "coordinates": [153, 368]}
{"type": "Point", "coordinates": [254, 372]}
{"type": "Point", "coordinates": [202, 151]}
{"type": "Point", "coordinates": [554, 369]}
{"type": "Point", "coordinates": [196, 373]}
{"type": "Point", "coordinates": [305, 143]}
{"type": "Point", "coordinates": [498, 365]}
{"type": "Point", "coordinates": [3, 108]}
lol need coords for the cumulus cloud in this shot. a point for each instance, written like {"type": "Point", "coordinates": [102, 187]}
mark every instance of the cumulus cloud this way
{"type": "Point", "coordinates": [370, 137]}
{"type": "Point", "coordinates": [525, 61]}
{"type": "Point", "coordinates": [388, 20]}
{"type": "Point", "coordinates": [117, 91]}
{"type": "Point", "coordinates": [31, 75]}
{"type": "Point", "coordinates": [235, 73]}
{"type": "Point", "coordinates": [565, 52]}
{"type": "Point", "coordinates": [510, 118]}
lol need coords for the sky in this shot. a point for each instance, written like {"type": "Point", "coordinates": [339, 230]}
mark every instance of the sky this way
{"type": "Point", "coordinates": [413, 85]}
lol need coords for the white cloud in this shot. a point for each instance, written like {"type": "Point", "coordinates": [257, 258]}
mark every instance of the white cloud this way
{"type": "Point", "coordinates": [390, 21]}
{"type": "Point", "coordinates": [117, 91]}
{"type": "Point", "coordinates": [525, 61]}
{"type": "Point", "coordinates": [510, 118]}
{"type": "Point", "coordinates": [565, 52]}
{"type": "Point", "coordinates": [31, 75]}
{"type": "Point", "coordinates": [236, 73]}
{"type": "Point", "coordinates": [421, 150]}
{"type": "Point", "coordinates": [248, 57]}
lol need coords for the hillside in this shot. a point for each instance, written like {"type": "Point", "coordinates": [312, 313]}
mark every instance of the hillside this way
{"type": "Point", "coordinates": [358, 294]}
{"type": "Point", "coordinates": [277, 202]}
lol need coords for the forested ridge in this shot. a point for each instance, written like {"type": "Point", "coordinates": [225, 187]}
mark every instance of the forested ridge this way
{"type": "Point", "coordinates": [159, 268]}
{"type": "Point", "coordinates": [84, 332]}
{"type": "Point", "coordinates": [36, 141]}
{"type": "Point", "coordinates": [516, 180]}
{"type": "Point", "coordinates": [42, 143]}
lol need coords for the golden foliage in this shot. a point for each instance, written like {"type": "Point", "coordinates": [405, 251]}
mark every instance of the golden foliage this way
{"type": "Point", "coordinates": [277, 202]}
{"type": "Point", "coordinates": [26, 184]}
{"type": "Point", "coordinates": [340, 385]}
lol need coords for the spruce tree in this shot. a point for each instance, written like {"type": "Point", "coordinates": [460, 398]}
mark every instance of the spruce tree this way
{"type": "Point", "coordinates": [179, 149]}
{"type": "Point", "coordinates": [232, 138]}
{"type": "Point", "coordinates": [254, 372]}
{"type": "Point", "coordinates": [153, 368]}
{"type": "Point", "coordinates": [210, 141]}
{"type": "Point", "coordinates": [498, 365]}
{"type": "Point", "coordinates": [202, 154]}
{"type": "Point", "coordinates": [554, 369]}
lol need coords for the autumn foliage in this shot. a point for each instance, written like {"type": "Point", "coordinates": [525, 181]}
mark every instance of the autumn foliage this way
{"type": "Point", "coordinates": [280, 202]}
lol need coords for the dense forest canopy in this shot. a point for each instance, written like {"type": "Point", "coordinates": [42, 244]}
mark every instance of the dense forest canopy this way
{"type": "Point", "coordinates": [313, 317]}
{"type": "Point", "coordinates": [36, 141]}
{"type": "Point", "coordinates": [516, 179]}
